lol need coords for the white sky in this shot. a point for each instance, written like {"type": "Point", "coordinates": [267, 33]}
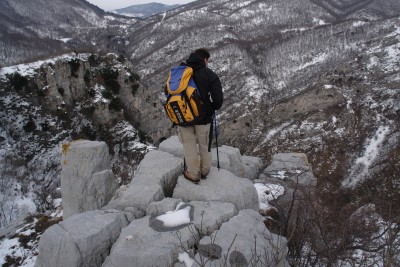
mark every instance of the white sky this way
{"type": "Point", "coordinates": [115, 4]}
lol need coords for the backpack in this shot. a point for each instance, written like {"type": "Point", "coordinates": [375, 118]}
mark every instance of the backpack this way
{"type": "Point", "coordinates": [183, 105]}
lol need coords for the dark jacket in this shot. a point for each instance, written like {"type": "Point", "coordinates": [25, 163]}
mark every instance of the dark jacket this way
{"type": "Point", "coordinates": [208, 84]}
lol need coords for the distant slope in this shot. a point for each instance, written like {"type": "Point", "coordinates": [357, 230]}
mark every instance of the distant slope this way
{"type": "Point", "coordinates": [34, 29]}
{"type": "Point", "coordinates": [145, 10]}
{"type": "Point", "coordinates": [67, 14]}
{"type": "Point", "coordinates": [342, 9]}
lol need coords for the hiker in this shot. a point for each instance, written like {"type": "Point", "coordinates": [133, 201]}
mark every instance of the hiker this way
{"type": "Point", "coordinates": [198, 158]}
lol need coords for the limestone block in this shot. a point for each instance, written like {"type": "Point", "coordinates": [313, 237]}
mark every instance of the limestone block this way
{"type": "Point", "coordinates": [252, 166]}
{"type": "Point", "coordinates": [139, 194]}
{"type": "Point", "coordinates": [87, 182]}
{"type": "Point", "coordinates": [81, 240]}
{"type": "Point", "coordinates": [172, 146]}
{"type": "Point", "coordinates": [160, 207]}
{"type": "Point", "coordinates": [292, 167]}
{"type": "Point", "coordinates": [155, 179]}
{"type": "Point", "coordinates": [141, 245]}
{"type": "Point", "coordinates": [162, 166]}
{"type": "Point", "coordinates": [289, 161]}
{"type": "Point", "coordinates": [229, 159]}
{"type": "Point", "coordinates": [220, 185]}
{"type": "Point", "coordinates": [210, 215]}
{"type": "Point", "coordinates": [57, 248]}
{"type": "Point", "coordinates": [244, 230]}
{"type": "Point", "coordinates": [133, 213]}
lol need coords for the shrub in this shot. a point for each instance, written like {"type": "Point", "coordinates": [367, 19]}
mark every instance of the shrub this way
{"type": "Point", "coordinates": [107, 94]}
{"type": "Point", "coordinates": [17, 81]}
{"type": "Point", "coordinates": [134, 77]}
{"type": "Point", "coordinates": [88, 133]}
{"type": "Point", "coordinates": [109, 74]}
{"type": "Point", "coordinates": [142, 136]}
{"type": "Point", "coordinates": [64, 116]}
{"type": "Point", "coordinates": [30, 126]}
{"type": "Point", "coordinates": [121, 58]}
{"type": "Point", "coordinates": [45, 126]}
{"type": "Point", "coordinates": [74, 64]}
{"type": "Point", "coordinates": [88, 110]}
{"type": "Point", "coordinates": [60, 90]}
{"type": "Point", "coordinates": [110, 77]}
{"type": "Point", "coordinates": [128, 116]}
{"type": "Point", "coordinates": [115, 104]}
{"type": "Point", "coordinates": [86, 77]}
{"type": "Point", "coordinates": [93, 60]}
{"type": "Point", "coordinates": [105, 135]}
{"type": "Point", "coordinates": [44, 222]}
{"type": "Point", "coordinates": [40, 92]}
{"type": "Point", "coordinates": [92, 92]}
{"type": "Point", "coordinates": [135, 88]}
{"type": "Point", "coordinates": [112, 85]}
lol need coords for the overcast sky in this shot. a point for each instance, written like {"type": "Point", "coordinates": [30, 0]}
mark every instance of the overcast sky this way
{"type": "Point", "coordinates": [114, 4]}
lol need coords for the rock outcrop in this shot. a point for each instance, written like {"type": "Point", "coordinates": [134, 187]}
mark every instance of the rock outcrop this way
{"type": "Point", "coordinates": [291, 171]}
{"type": "Point", "coordinates": [83, 239]}
{"type": "Point", "coordinates": [291, 168]}
{"type": "Point", "coordinates": [221, 186]}
{"type": "Point", "coordinates": [229, 158]}
{"type": "Point", "coordinates": [234, 246]}
{"type": "Point", "coordinates": [161, 218]}
{"type": "Point", "coordinates": [87, 181]}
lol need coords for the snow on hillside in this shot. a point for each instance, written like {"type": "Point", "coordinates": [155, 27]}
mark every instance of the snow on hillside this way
{"type": "Point", "coordinates": [32, 131]}
{"type": "Point", "coordinates": [29, 69]}
{"type": "Point", "coordinates": [371, 150]}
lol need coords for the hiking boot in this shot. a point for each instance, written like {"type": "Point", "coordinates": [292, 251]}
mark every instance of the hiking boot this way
{"type": "Point", "coordinates": [204, 176]}
{"type": "Point", "coordinates": [189, 177]}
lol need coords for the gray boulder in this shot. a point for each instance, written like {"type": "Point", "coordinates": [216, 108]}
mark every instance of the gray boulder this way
{"type": "Point", "coordinates": [293, 167]}
{"type": "Point", "coordinates": [160, 216]}
{"type": "Point", "coordinates": [220, 185]}
{"type": "Point", "coordinates": [142, 245]}
{"type": "Point", "coordinates": [252, 166]}
{"type": "Point", "coordinates": [229, 158]}
{"type": "Point", "coordinates": [210, 215]}
{"type": "Point", "coordinates": [149, 242]}
{"type": "Point", "coordinates": [163, 206]}
{"type": "Point", "coordinates": [87, 182]}
{"type": "Point", "coordinates": [81, 240]}
{"type": "Point", "coordinates": [294, 213]}
{"type": "Point", "coordinates": [155, 179]}
{"type": "Point", "coordinates": [243, 241]}
{"type": "Point", "coordinates": [173, 146]}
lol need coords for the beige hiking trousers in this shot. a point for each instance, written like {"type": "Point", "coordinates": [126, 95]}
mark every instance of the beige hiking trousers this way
{"type": "Point", "coordinates": [195, 147]}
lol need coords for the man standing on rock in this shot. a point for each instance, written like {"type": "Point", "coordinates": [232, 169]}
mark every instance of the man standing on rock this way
{"type": "Point", "coordinates": [198, 161]}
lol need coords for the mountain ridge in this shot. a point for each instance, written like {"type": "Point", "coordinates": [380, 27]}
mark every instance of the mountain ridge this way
{"type": "Point", "coordinates": [144, 10]}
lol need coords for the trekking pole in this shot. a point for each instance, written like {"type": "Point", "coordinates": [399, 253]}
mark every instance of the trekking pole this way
{"type": "Point", "coordinates": [210, 136]}
{"type": "Point", "coordinates": [216, 137]}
